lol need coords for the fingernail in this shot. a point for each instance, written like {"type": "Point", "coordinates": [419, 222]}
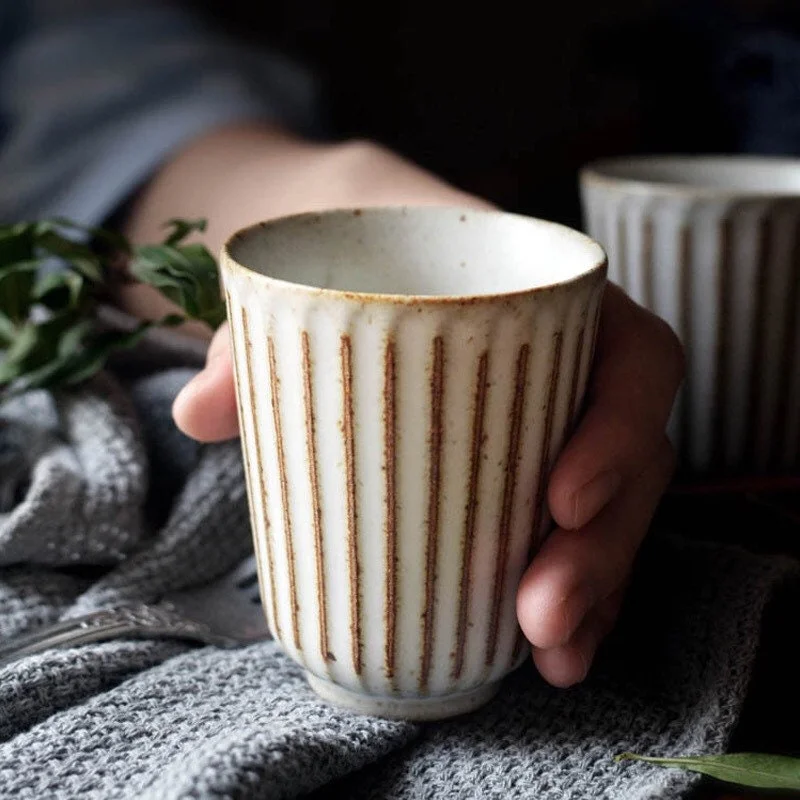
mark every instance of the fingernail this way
{"type": "Point", "coordinates": [563, 666]}
{"type": "Point", "coordinates": [593, 496]}
{"type": "Point", "coordinates": [186, 392]}
{"type": "Point", "coordinates": [586, 646]}
{"type": "Point", "coordinates": [570, 663]}
{"type": "Point", "coordinates": [220, 345]}
{"type": "Point", "coordinates": [215, 352]}
{"type": "Point", "coordinates": [179, 402]}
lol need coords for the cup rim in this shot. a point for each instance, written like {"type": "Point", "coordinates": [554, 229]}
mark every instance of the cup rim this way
{"type": "Point", "coordinates": [601, 172]}
{"type": "Point", "coordinates": [598, 268]}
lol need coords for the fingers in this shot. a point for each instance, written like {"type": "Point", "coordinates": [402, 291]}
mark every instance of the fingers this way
{"type": "Point", "coordinates": [637, 373]}
{"type": "Point", "coordinates": [206, 407]}
{"type": "Point", "coordinates": [575, 571]}
{"type": "Point", "coordinates": [569, 664]}
{"type": "Point", "coordinates": [603, 491]}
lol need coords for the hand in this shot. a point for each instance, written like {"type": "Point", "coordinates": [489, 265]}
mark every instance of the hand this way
{"type": "Point", "coordinates": [609, 479]}
{"type": "Point", "coordinates": [603, 492]}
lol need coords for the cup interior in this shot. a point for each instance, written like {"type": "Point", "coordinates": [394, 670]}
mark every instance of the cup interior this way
{"type": "Point", "coordinates": [746, 175]}
{"type": "Point", "coordinates": [416, 252]}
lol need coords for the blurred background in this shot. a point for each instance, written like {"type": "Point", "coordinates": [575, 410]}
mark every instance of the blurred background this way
{"type": "Point", "coordinates": [508, 99]}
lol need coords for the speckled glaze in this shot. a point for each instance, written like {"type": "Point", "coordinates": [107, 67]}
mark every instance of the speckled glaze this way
{"type": "Point", "coordinates": [405, 380]}
{"type": "Point", "coordinates": [712, 245]}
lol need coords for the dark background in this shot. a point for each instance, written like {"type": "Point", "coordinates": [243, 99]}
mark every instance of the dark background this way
{"type": "Point", "coordinates": [508, 99]}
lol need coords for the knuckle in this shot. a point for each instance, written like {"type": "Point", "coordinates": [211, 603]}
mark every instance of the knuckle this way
{"type": "Point", "coordinates": [357, 147]}
{"type": "Point", "coordinates": [361, 154]}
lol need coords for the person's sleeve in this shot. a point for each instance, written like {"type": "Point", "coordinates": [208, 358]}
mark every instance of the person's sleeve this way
{"type": "Point", "coordinates": [96, 94]}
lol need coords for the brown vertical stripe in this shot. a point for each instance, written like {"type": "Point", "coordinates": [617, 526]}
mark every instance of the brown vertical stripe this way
{"type": "Point", "coordinates": [622, 252]}
{"type": "Point", "coordinates": [465, 586]}
{"type": "Point", "coordinates": [267, 577]}
{"type": "Point", "coordinates": [434, 485]}
{"type": "Point", "coordinates": [721, 367]}
{"type": "Point", "coordinates": [685, 302]}
{"type": "Point", "coordinates": [353, 556]}
{"type": "Point", "coordinates": [316, 507]}
{"type": "Point", "coordinates": [509, 489]}
{"type": "Point", "coordinates": [389, 466]}
{"type": "Point", "coordinates": [284, 482]}
{"type": "Point", "coordinates": [788, 358]}
{"type": "Point", "coordinates": [648, 277]}
{"type": "Point", "coordinates": [757, 325]}
{"type": "Point", "coordinates": [544, 454]}
{"type": "Point", "coordinates": [262, 481]}
{"type": "Point", "coordinates": [237, 374]}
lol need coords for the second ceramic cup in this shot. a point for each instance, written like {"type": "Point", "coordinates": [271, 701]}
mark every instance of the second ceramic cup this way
{"type": "Point", "coordinates": [712, 244]}
{"type": "Point", "coordinates": [406, 379]}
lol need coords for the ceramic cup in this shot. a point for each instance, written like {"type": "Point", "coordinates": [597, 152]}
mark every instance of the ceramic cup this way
{"type": "Point", "coordinates": [712, 244]}
{"type": "Point", "coordinates": [405, 379]}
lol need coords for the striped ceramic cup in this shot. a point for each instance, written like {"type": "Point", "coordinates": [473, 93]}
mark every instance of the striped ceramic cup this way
{"type": "Point", "coordinates": [712, 244]}
{"type": "Point", "coordinates": [405, 380]}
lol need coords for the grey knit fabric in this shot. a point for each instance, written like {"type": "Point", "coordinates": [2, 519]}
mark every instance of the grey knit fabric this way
{"type": "Point", "coordinates": [104, 501]}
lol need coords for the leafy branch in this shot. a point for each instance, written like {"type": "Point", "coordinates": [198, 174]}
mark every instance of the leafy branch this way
{"type": "Point", "coordinates": [754, 770]}
{"type": "Point", "coordinates": [55, 275]}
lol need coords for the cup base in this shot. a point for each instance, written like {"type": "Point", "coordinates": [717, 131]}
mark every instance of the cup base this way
{"type": "Point", "coordinates": [408, 708]}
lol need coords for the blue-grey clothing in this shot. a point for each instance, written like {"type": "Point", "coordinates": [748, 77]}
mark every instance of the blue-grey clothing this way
{"type": "Point", "coordinates": [94, 94]}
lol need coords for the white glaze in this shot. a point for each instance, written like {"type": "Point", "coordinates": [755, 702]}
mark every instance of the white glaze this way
{"type": "Point", "coordinates": [426, 414]}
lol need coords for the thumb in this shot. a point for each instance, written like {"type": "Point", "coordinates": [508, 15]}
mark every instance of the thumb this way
{"type": "Point", "coordinates": [205, 409]}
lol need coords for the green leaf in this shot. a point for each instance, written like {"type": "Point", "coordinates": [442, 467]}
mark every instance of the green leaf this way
{"type": "Point", "coordinates": [62, 239]}
{"type": "Point", "coordinates": [80, 257]}
{"type": "Point", "coordinates": [59, 290]}
{"type": "Point", "coordinates": [38, 343]}
{"type": "Point", "coordinates": [208, 298]}
{"type": "Point", "coordinates": [80, 356]}
{"type": "Point", "coordinates": [48, 322]}
{"type": "Point", "coordinates": [8, 331]}
{"type": "Point", "coordinates": [162, 259]}
{"type": "Point", "coordinates": [111, 239]}
{"type": "Point", "coordinates": [72, 339]}
{"type": "Point", "coordinates": [16, 243]}
{"type": "Point", "coordinates": [93, 359]}
{"type": "Point", "coordinates": [756, 770]}
{"type": "Point", "coordinates": [25, 343]}
{"type": "Point", "coordinates": [181, 228]}
{"type": "Point", "coordinates": [167, 270]}
{"type": "Point", "coordinates": [188, 276]}
{"type": "Point", "coordinates": [16, 285]}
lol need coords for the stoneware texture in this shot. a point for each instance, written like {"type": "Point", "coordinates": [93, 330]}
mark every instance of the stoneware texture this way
{"type": "Point", "coordinates": [405, 380]}
{"type": "Point", "coordinates": [712, 244]}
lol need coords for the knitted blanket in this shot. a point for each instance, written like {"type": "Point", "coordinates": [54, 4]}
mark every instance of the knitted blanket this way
{"type": "Point", "coordinates": [103, 501]}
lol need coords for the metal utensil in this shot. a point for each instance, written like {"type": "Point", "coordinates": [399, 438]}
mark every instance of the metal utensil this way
{"type": "Point", "coordinates": [224, 613]}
